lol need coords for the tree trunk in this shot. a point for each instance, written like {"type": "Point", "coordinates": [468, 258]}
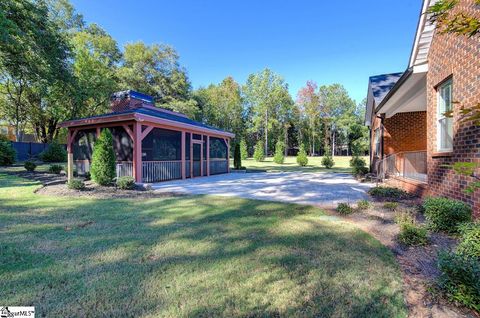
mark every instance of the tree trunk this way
{"type": "Point", "coordinates": [266, 133]}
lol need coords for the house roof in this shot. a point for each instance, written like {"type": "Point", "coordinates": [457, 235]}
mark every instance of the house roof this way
{"type": "Point", "coordinates": [382, 84]}
{"type": "Point", "coordinates": [150, 111]}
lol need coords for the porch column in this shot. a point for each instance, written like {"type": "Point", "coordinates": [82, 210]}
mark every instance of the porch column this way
{"type": "Point", "coordinates": [208, 155]}
{"type": "Point", "coordinates": [191, 155]}
{"type": "Point", "coordinates": [184, 173]}
{"type": "Point", "coordinates": [228, 154]}
{"type": "Point", "coordinates": [201, 157]}
{"type": "Point", "coordinates": [70, 139]}
{"type": "Point", "coordinates": [137, 152]}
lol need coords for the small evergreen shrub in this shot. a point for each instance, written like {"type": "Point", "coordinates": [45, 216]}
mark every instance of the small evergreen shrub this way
{"type": "Point", "coordinates": [445, 214]}
{"type": "Point", "coordinates": [363, 205]}
{"type": "Point", "coordinates": [54, 153]}
{"type": "Point", "coordinates": [259, 153]}
{"type": "Point", "coordinates": [279, 156]}
{"type": "Point", "coordinates": [392, 206]}
{"type": "Point", "coordinates": [30, 166]}
{"type": "Point", "coordinates": [359, 166]}
{"type": "Point", "coordinates": [344, 208]}
{"type": "Point", "coordinates": [470, 240]}
{"type": "Point", "coordinates": [327, 161]}
{"type": "Point", "coordinates": [404, 217]}
{"type": "Point", "coordinates": [243, 149]}
{"type": "Point", "coordinates": [237, 157]}
{"type": "Point", "coordinates": [103, 159]}
{"type": "Point", "coordinates": [76, 184]}
{"type": "Point", "coordinates": [126, 183]}
{"type": "Point", "coordinates": [460, 278]}
{"type": "Point", "coordinates": [56, 169]}
{"type": "Point", "coordinates": [388, 192]}
{"type": "Point", "coordinates": [7, 153]}
{"type": "Point", "coordinates": [302, 159]}
{"type": "Point", "coordinates": [412, 234]}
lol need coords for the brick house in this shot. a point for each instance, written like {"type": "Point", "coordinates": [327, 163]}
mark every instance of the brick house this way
{"type": "Point", "coordinates": [412, 141]}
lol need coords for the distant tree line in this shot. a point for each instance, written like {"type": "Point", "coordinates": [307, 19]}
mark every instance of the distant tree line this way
{"type": "Point", "coordinates": [54, 67]}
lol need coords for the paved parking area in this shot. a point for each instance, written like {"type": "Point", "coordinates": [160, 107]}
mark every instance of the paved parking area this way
{"type": "Point", "coordinates": [320, 189]}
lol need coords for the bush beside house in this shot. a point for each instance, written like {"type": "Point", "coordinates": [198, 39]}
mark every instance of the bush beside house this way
{"type": "Point", "coordinates": [103, 159]}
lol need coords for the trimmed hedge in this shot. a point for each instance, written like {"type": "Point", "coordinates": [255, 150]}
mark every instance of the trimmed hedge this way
{"type": "Point", "coordinates": [445, 214]}
{"type": "Point", "coordinates": [388, 192]}
{"type": "Point", "coordinates": [103, 159]}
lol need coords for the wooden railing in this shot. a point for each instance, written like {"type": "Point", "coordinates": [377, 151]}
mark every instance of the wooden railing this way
{"type": "Point", "coordinates": [407, 164]}
{"type": "Point", "coordinates": [124, 169]}
{"type": "Point", "coordinates": [155, 171]}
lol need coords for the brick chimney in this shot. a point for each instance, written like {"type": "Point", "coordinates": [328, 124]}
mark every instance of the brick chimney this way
{"type": "Point", "coordinates": [125, 100]}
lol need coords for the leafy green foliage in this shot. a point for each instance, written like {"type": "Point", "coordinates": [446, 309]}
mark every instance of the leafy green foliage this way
{"type": "Point", "coordinates": [103, 159]}
{"type": "Point", "coordinates": [412, 234]}
{"type": "Point", "coordinates": [55, 169]}
{"type": "Point", "coordinates": [405, 216]}
{"type": "Point", "coordinates": [445, 214]}
{"type": "Point", "coordinates": [237, 157]}
{"type": "Point", "coordinates": [470, 240]}
{"type": "Point", "coordinates": [359, 166]}
{"type": "Point", "coordinates": [468, 169]}
{"type": "Point", "coordinates": [54, 153]}
{"type": "Point", "coordinates": [279, 156]}
{"type": "Point", "coordinates": [459, 22]}
{"type": "Point", "coordinates": [345, 209]}
{"type": "Point", "coordinates": [327, 161]}
{"type": "Point", "coordinates": [392, 206]}
{"type": "Point", "coordinates": [76, 184]}
{"type": "Point", "coordinates": [30, 166]}
{"type": "Point", "coordinates": [460, 278]}
{"type": "Point", "coordinates": [259, 154]}
{"type": "Point", "coordinates": [389, 193]}
{"type": "Point", "coordinates": [126, 183]}
{"type": "Point", "coordinates": [363, 205]}
{"type": "Point", "coordinates": [243, 149]}
{"type": "Point", "coordinates": [3, 138]}
{"type": "Point", "coordinates": [302, 158]}
{"type": "Point", "coordinates": [7, 153]}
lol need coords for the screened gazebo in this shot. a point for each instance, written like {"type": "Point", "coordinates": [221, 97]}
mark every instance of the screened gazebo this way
{"type": "Point", "coordinates": [151, 144]}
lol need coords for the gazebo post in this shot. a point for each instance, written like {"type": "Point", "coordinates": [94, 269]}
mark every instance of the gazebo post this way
{"type": "Point", "coordinates": [227, 140]}
{"type": "Point", "coordinates": [183, 155]}
{"type": "Point", "coordinates": [208, 155]}
{"type": "Point", "coordinates": [70, 139]}
{"type": "Point", "coordinates": [137, 152]}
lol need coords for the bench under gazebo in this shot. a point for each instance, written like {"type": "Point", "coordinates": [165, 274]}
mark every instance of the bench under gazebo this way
{"type": "Point", "coordinates": [152, 144]}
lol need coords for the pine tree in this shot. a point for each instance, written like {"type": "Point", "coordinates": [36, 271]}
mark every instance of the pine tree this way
{"type": "Point", "coordinates": [237, 158]}
{"type": "Point", "coordinates": [259, 154]}
{"type": "Point", "coordinates": [279, 156]}
{"type": "Point", "coordinates": [103, 159]}
{"type": "Point", "coordinates": [302, 159]}
{"type": "Point", "coordinates": [243, 149]}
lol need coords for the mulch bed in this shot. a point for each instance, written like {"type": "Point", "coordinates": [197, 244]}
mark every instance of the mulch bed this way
{"type": "Point", "coordinates": [418, 263]}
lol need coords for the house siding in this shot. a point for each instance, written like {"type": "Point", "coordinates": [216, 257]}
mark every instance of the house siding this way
{"type": "Point", "coordinates": [457, 57]}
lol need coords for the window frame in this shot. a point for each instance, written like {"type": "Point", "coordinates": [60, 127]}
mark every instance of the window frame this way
{"type": "Point", "coordinates": [441, 104]}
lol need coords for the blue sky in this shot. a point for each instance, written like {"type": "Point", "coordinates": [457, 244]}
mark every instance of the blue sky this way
{"type": "Point", "coordinates": [326, 41]}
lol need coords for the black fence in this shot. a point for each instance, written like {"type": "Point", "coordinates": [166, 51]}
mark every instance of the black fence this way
{"type": "Point", "coordinates": [28, 150]}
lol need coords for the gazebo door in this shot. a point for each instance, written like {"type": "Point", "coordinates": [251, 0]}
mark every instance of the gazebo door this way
{"type": "Point", "coordinates": [197, 162]}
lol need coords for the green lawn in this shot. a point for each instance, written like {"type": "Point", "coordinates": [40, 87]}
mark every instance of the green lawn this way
{"type": "Point", "coordinates": [342, 164]}
{"type": "Point", "coordinates": [188, 257]}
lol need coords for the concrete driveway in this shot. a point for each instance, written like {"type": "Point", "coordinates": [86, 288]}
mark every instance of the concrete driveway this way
{"type": "Point", "coordinates": [319, 189]}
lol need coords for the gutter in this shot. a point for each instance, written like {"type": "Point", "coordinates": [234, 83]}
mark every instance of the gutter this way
{"type": "Point", "coordinates": [395, 88]}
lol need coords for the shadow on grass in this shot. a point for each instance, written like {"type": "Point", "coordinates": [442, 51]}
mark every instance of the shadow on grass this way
{"type": "Point", "coordinates": [188, 257]}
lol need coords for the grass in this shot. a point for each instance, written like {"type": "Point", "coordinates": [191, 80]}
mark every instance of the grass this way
{"type": "Point", "coordinates": [342, 164]}
{"type": "Point", "coordinates": [188, 257]}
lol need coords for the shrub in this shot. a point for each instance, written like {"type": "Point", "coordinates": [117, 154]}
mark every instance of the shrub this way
{"type": "Point", "coordinates": [327, 161]}
{"type": "Point", "coordinates": [460, 278]}
{"type": "Point", "coordinates": [54, 153]}
{"type": "Point", "coordinates": [405, 216]}
{"type": "Point", "coordinates": [392, 206]}
{"type": "Point", "coordinates": [56, 169]}
{"type": "Point", "coordinates": [412, 234]}
{"type": "Point", "coordinates": [363, 205]}
{"type": "Point", "coordinates": [126, 183]}
{"type": "Point", "coordinates": [279, 156]}
{"type": "Point", "coordinates": [237, 157]}
{"type": "Point", "coordinates": [302, 159]}
{"type": "Point", "coordinates": [445, 214]}
{"type": "Point", "coordinates": [344, 208]}
{"type": "Point", "coordinates": [7, 153]}
{"type": "Point", "coordinates": [4, 137]}
{"type": "Point", "coordinates": [30, 166]}
{"type": "Point", "coordinates": [103, 159]}
{"type": "Point", "coordinates": [76, 184]}
{"type": "Point", "coordinates": [470, 240]}
{"type": "Point", "coordinates": [259, 154]}
{"type": "Point", "coordinates": [243, 149]}
{"type": "Point", "coordinates": [388, 192]}
{"type": "Point", "coordinates": [359, 166]}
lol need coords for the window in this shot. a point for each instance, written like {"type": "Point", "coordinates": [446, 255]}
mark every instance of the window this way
{"type": "Point", "coordinates": [444, 119]}
{"type": "Point", "coordinates": [377, 139]}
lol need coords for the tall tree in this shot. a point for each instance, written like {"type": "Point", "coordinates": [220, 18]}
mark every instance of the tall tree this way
{"type": "Point", "coordinates": [265, 94]}
{"type": "Point", "coordinates": [308, 103]}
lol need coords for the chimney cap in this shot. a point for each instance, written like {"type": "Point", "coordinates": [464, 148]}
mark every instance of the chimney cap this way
{"type": "Point", "coordinates": [134, 95]}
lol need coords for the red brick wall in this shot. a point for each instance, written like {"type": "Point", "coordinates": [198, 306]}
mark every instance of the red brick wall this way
{"type": "Point", "coordinates": [405, 132]}
{"type": "Point", "coordinates": [459, 57]}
